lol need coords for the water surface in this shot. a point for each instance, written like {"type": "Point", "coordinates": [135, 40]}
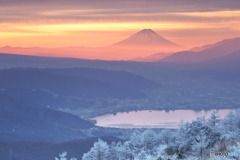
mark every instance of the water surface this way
{"type": "Point", "coordinates": [154, 119]}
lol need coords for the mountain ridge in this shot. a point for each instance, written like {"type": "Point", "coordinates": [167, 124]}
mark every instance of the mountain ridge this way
{"type": "Point", "coordinates": [207, 52]}
{"type": "Point", "coordinates": [142, 43]}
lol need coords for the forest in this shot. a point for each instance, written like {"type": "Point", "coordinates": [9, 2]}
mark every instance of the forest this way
{"type": "Point", "coordinates": [201, 139]}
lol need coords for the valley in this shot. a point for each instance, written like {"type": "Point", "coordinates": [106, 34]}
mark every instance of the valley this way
{"type": "Point", "coordinates": [49, 103]}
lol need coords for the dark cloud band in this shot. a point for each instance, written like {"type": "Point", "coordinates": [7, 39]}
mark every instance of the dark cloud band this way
{"type": "Point", "coordinates": [161, 5]}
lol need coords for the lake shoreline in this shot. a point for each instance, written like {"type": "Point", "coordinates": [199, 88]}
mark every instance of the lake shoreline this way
{"type": "Point", "coordinates": [155, 118]}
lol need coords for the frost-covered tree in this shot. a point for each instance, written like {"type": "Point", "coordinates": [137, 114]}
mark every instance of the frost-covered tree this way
{"type": "Point", "coordinates": [192, 141]}
{"type": "Point", "coordinates": [127, 151]}
{"type": "Point", "coordinates": [62, 156]}
{"type": "Point", "coordinates": [162, 155]}
{"type": "Point", "coordinates": [180, 146]}
{"type": "Point", "coordinates": [121, 151]}
{"type": "Point", "coordinates": [195, 139]}
{"type": "Point", "coordinates": [201, 138]}
{"type": "Point", "coordinates": [214, 120]}
{"type": "Point", "coordinates": [135, 142]}
{"type": "Point", "coordinates": [150, 141]}
{"type": "Point", "coordinates": [99, 151]}
{"type": "Point", "coordinates": [230, 126]}
{"type": "Point", "coordinates": [142, 155]}
{"type": "Point", "coordinates": [113, 150]}
{"type": "Point", "coordinates": [167, 136]}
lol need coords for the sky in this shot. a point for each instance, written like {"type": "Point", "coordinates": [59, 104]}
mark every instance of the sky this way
{"type": "Point", "coordinates": [95, 23]}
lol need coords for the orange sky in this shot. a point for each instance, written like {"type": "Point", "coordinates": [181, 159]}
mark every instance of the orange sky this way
{"type": "Point", "coordinates": [78, 23]}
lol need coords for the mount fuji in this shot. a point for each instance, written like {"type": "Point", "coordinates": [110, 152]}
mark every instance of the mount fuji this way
{"type": "Point", "coordinates": [141, 44]}
{"type": "Point", "coordinates": [149, 40]}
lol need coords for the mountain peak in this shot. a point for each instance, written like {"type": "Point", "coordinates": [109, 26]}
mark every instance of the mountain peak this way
{"type": "Point", "coordinates": [147, 39]}
{"type": "Point", "coordinates": [147, 30]}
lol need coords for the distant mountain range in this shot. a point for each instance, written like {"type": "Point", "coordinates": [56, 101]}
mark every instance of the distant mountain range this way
{"type": "Point", "coordinates": [33, 100]}
{"type": "Point", "coordinates": [40, 95]}
{"type": "Point", "coordinates": [142, 43]}
{"type": "Point", "coordinates": [145, 45]}
{"type": "Point", "coordinates": [84, 82]}
{"type": "Point", "coordinates": [206, 53]}
{"type": "Point", "coordinates": [152, 58]}
{"type": "Point", "coordinates": [196, 54]}
{"type": "Point", "coordinates": [141, 68]}
{"type": "Point", "coordinates": [230, 58]}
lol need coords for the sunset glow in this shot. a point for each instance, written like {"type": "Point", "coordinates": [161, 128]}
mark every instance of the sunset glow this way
{"type": "Point", "coordinates": [95, 24]}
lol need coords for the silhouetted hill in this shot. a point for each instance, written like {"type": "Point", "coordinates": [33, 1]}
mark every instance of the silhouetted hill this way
{"type": "Point", "coordinates": [19, 123]}
{"type": "Point", "coordinates": [31, 98]}
{"type": "Point", "coordinates": [231, 59]}
{"type": "Point", "coordinates": [21, 61]}
{"type": "Point", "coordinates": [206, 53]}
{"type": "Point", "coordinates": [47, 151]}
{"type": "Point", "coordinates": [74, 82]}
{"type": "Point", "coordinates": [15, 60]}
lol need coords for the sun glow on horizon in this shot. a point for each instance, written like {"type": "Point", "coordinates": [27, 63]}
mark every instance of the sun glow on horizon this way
{"type": "Point", "coordinates": [96, 27]}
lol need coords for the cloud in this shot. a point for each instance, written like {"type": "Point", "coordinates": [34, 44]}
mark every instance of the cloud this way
{"type": "Point", "coordinates": [61, 17]}
{"type": "Point", "coordinates": [143, 6]}
{"type": "Point", "coordinates": [52, 11]}
{"type": "Point", "coordinates": [165, 5]}
{"type": "Point", "coordinates": [100, 15]}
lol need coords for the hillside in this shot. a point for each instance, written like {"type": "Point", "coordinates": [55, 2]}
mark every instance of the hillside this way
{"type": "Point", "coordinates": [20, 123]}
{"type": "Point", "coordinates": [206, 53]}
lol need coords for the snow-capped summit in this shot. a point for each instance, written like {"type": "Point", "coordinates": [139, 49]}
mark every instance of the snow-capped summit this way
{"type": "Point", "coordinates": [148, 39]}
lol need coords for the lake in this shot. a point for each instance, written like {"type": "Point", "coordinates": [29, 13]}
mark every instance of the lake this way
{"type": "Point", "coordinates": [154, 118]}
